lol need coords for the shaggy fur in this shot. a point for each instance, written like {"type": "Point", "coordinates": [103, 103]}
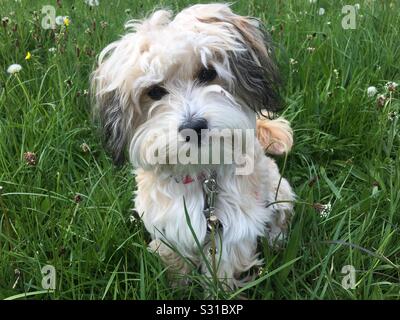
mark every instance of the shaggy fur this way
{"type": "Point", "coordinates": [150, 82]}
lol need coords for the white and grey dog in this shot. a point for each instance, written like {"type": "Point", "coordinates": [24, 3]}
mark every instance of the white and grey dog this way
{"type": "Point", "coordinates": [204, 70]}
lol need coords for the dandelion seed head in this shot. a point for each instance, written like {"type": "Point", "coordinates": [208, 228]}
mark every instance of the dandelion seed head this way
{"type": "Point", "coordinates": [60, 20]}
{"type": "Point", "coordinates": [14, 68]}
{"type": "Point", "coordinates": [372, 91]}
{"type": "Point", "coordinates": [92, 3]}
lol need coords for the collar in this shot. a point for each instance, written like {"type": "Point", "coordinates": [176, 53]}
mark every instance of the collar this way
{"type": "Point", "coordinates": [210, 191]}
{"type": "Point", "coordinates": [187, 179]}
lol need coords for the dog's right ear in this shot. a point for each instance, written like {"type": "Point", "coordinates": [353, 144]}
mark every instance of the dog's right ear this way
{"type": "Point", "coordinates": [111, 109]}
{"type": "Point", "coordinates": [114, 129]}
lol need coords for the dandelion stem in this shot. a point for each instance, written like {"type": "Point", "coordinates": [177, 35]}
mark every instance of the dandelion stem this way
{"type": "Point", "coordinates": [23, 89]}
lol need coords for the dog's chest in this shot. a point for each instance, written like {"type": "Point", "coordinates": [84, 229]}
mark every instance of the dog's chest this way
{"type": "Point", "coordinates": [174, 210]}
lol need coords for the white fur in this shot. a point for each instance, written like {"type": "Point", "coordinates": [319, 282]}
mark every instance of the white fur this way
{"type": "Point", "coordinates": [162, 50]}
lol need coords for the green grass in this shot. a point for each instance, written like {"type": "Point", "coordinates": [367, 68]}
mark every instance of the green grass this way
{"type": "Point", "coordinates": [346, 153]}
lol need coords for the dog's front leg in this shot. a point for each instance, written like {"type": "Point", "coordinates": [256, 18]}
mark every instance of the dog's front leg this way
{"type": "Point", "coordinates": [230, 259]}
{"type": "Point", "coordinates": [176, 264]}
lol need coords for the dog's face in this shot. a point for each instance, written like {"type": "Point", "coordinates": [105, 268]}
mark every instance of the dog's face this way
{"type": "Point", "coordinates": [206, 69]}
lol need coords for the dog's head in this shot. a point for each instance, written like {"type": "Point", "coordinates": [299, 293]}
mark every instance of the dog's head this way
{"type": "Point", "coordinates": [206, 68]}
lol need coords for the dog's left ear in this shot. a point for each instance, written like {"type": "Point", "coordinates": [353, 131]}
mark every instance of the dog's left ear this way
{"type": "Point", "coordinates": [255, 68]}
{"type": "Point", "coordinates": [253, 65]}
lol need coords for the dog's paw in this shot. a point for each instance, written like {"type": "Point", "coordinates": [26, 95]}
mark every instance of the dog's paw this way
{"type": "Point", "coordinates": [276, 237]}
{"type": "Point", "coordinates": [174, 261]}
{"type": "Point", "coordinates": [277, 229]}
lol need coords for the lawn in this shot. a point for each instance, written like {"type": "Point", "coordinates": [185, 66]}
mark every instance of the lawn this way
{"type": "Point", "coordinates": [63, 203]}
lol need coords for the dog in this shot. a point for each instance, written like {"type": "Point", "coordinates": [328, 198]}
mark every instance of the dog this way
{"type": "Point", "coordinates": [204, 69]}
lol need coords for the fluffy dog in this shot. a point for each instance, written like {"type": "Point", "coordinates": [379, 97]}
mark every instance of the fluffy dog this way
{"type": "Point", "coordinates": [202, 71]}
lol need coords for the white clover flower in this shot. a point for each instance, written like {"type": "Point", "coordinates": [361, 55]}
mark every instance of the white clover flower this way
{"type": "Point", "coordinates": [321, 11]}
{"type": "Point", "coordinates": [372, 91]}
{"type": "Point", "coordinates": [293, 61]}
{"type": "Point", "coordinates": [14, 68]}
{"type": "Point", "coordinates": [52, 50]}
{"type": "Point", "coordinates": [92, 3]}
{"type": "Point", "coordinates": [324, 210]}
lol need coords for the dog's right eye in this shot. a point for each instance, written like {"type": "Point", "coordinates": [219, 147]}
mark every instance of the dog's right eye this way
{"type": "Point", "coordinates": [157, 92]}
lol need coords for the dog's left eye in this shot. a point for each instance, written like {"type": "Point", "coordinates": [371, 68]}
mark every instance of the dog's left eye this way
{"type": "Point", "coordinates": [157, 92]}
{"type": "Point", "coordinates": [207, 75]}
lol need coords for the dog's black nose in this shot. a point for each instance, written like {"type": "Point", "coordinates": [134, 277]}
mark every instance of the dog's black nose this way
{"type": "Point", "coordinates": [195, 124]}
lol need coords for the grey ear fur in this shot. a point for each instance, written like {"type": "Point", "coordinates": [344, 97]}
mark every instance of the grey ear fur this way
{"type": "Point", "coordinates": [255, 68]}
{"type": "Point", "coordinates": [114, 128]}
